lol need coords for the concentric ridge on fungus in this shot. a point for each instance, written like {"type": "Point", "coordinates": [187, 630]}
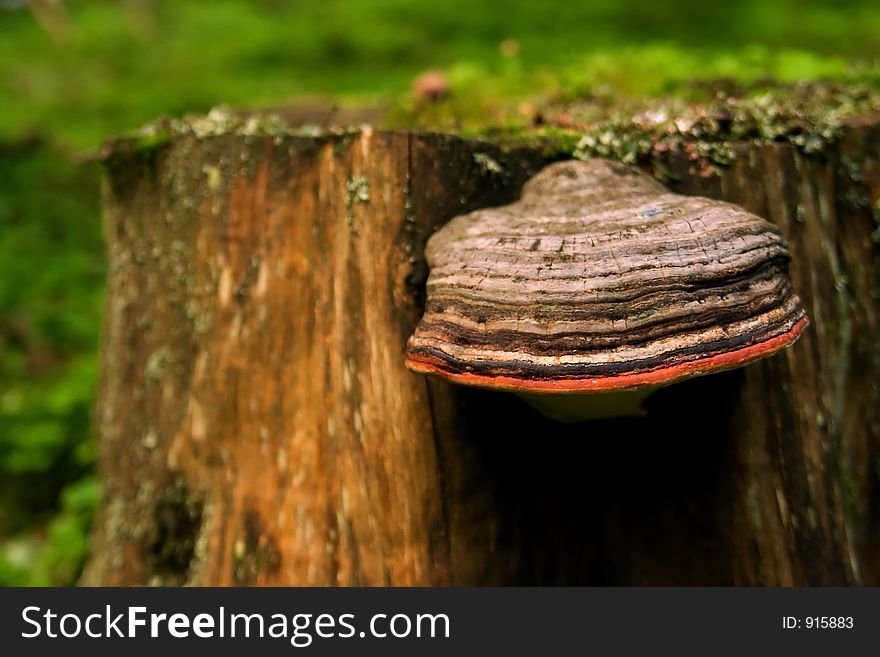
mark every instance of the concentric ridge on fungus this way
{"type": "Point", "coordinates": [600, 279]}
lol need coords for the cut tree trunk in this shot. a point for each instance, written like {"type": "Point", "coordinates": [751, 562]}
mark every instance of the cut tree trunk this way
{"type": "Point", "coordinates": [257, 424]}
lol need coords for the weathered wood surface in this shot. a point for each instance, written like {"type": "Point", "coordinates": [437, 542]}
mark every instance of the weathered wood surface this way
{"type": "Point", "coordinates": [258, 426]}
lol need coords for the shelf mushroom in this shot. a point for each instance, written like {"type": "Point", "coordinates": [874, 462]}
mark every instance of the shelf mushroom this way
{"type": "Point", "coordinates": [598, 286]}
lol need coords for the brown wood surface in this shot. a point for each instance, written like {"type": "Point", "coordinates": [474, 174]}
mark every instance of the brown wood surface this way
{"type": "Point", "coordinates": [258, 426]}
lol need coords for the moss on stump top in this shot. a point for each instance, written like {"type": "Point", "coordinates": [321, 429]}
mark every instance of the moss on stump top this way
{"type": "Point", "coordinates": [703, 122]}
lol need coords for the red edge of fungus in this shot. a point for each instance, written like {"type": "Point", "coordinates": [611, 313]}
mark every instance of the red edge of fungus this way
{"type": "Point", "coordinates": [592, 384]}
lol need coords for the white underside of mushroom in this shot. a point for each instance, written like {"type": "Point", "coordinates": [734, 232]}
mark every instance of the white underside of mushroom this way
{"type": "Point", "coordinates": [579, 407]}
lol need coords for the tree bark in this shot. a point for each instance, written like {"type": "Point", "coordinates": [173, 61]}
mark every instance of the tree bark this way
{"type": "Point", "coordinates": [257, 424]}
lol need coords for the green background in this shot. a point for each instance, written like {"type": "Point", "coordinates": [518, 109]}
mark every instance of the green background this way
{"type": "Point", "coordinates": [69, 80]}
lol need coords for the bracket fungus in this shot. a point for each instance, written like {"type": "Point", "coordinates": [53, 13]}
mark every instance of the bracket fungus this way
{"type": "Point", "coordinates": [598, 286]}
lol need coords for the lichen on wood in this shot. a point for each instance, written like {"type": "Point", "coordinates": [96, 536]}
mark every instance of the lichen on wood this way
{"type": "Point", "coordinates": [703, 123]}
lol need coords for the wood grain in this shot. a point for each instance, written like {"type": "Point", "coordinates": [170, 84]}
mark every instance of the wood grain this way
{"type": "Point", "coordinates": [257, 424]}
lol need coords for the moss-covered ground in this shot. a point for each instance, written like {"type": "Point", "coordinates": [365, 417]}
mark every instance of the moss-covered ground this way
{"type": "Point", "coordinates": [579, 78]}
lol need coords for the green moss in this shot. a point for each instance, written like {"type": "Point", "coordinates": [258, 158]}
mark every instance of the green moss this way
{"type": "Point", "coordinates": [809, 116]}
{"type": "Point", "coordinates": [126, 62]}
{"type": "Point", "coordinates": [51, 278]}
{"type": "Point", "coordinates": [703, 124]}
{"type": "Point", "coordinates": [153, 140]}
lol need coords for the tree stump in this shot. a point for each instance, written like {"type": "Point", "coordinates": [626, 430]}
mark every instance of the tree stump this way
{"type": "Point", "coordinates": [257, 424]}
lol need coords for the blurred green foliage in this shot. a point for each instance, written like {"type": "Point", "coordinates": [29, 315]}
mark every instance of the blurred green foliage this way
{"type": "Point", "coordinates": [51, 281]}
{"type": "Point", "coordinates": [70, 79]}
{"type": "Point", "coordinates": [117, 64]}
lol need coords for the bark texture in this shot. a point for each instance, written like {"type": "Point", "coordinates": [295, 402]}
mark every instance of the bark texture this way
{"type": "Point", "coordinates": [258, 425]}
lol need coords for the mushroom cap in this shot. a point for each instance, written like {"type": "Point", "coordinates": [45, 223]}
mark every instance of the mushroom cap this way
{"type": "Point", "coordinates": [599, 279]}
{"type": "Point", "coordinates": [431, 85]}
